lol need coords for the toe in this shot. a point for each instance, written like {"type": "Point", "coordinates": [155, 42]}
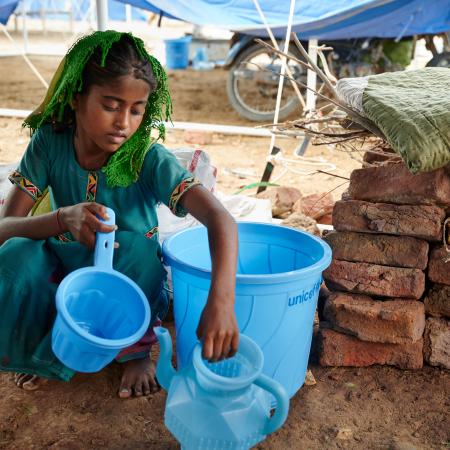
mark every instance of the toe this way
{"type": "Point", "coordinates": [146, 387]}
{"type": "Point", "coordinates": [21, 379]}
{"type": "Point", "coordinates": [137, 388]}
{"type": "Point", "coordinates": [31, 385]}
{"type": "Point", "coordinates": [154, 385]}
{"type": "Point", "coordinates": [124, 392]}
{"type": "Point", "coordinates": [125, 388]}
{"type": "Point", "coordinates": [28, 382]}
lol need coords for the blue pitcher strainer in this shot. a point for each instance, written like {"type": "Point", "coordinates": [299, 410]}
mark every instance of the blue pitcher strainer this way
{"type": "Point", "coordinates": [236, 373]}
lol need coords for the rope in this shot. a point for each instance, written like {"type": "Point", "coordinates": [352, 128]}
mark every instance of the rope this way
{"type": "Point", "coordinates": [280, 160]}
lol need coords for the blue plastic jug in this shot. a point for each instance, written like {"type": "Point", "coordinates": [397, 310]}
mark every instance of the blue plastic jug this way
{"type": "Point", "coordinates": [220, 405]}
{"type": "Point", "coordinates": [99, 311]}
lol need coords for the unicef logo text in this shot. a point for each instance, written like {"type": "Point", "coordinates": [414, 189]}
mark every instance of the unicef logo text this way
{"type": "Point", "coordinates": [305, 296]}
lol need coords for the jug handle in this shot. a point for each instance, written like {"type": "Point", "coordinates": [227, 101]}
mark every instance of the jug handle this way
{"type": "Point", "coordinates": [281, 412]}
{"type": "Point", "coordinates": [104, 244]}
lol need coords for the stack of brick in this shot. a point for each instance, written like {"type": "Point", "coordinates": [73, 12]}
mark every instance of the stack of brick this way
{"type": "Point", "coordinates": [389, 282]}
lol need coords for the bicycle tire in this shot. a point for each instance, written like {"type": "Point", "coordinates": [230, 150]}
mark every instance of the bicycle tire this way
{"type": "Point", "coordinates": [245, 110]}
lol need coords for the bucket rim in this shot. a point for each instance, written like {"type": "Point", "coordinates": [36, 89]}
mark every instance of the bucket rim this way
{"type": "Point", "coordinates": [318, 267]}
{"type": "Point", "coordinates": [111, 344]}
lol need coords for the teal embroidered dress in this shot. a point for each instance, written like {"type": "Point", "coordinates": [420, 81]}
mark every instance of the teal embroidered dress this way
{"type": "Point", "coordinates": [27, 267]}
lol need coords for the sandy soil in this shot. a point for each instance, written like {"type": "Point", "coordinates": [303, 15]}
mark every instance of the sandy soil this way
{"type": "Point", "coordinates": [384, 408]}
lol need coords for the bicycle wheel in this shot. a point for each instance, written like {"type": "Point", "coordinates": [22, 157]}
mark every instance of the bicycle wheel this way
{"type": "Point", "coordinates": [252, 84]}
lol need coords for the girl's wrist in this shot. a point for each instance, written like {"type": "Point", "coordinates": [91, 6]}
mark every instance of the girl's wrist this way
{"type": "Point", "coordinates": [60, 221]}
{"type": "Point", "coordinates": [222, 297]}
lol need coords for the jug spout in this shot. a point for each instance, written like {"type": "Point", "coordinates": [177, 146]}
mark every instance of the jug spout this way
{"type": "Point", "coordinates": [164, 368]}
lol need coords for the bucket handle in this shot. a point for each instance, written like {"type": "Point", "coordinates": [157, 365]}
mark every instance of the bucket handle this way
{"type": "Point", "coordinates": [282, 409]}
{"type": "Point", "coordinates": [104, 244]}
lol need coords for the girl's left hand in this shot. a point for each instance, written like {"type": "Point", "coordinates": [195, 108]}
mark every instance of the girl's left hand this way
{"type": "Point", "coordinates": [218, 331]}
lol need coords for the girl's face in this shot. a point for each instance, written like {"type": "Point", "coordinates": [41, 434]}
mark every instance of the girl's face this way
{"type": "Point", "coordinates": [108, 115]}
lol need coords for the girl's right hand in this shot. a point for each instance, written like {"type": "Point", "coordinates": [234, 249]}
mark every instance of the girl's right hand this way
{"type": "Point", "coordinates": [81, 220]}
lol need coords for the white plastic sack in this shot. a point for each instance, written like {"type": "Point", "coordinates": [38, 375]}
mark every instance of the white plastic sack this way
{"type": "Point", "coordinates": [241, 207]}
{"type": "Point", "coordinates": [199, 164]}
{"type": "Point", "coordinates": [5, 184]}
{"type": "Point", "coordinates": [248, 209]}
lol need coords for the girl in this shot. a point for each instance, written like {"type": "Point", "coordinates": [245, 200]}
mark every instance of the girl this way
{"type": "Point", "coordinates": [91, 147]}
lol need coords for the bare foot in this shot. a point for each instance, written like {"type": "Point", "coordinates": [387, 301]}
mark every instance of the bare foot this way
{"type": "Point", "coordinates": [28, 382]}
{"type": "Point", "coordinates": [138, 378]}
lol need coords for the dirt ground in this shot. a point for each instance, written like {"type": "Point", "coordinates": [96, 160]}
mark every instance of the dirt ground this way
{"type": "Point", "coordinates": [383, 407]}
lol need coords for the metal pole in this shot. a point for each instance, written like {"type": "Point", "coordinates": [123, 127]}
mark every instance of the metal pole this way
{"type": "Point", "coordinates": [275, 44]}
{"type": "Point", "coordinates": [24, 27]}
{"type": "Point", "coordinates": [273, 150]}
{"type": "Point", "coordinates": [283, 71]}
{"type": "Point", "coordinates": [102, 15]}
{"type": "Point", "coordinates": [128, 15]}
{"type": "Point", "coordinates": [311, 77]}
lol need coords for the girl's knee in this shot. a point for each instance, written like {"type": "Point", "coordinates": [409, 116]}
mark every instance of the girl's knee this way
{"type": "Point", "coordinates": [19, 250]}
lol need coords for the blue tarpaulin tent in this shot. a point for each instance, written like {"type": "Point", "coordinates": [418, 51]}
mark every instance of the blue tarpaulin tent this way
{"type": "Point", "coordinates": [324, 19]}
{"type": "Point", "coordinates": [321, 19]}
{"type": "Point", "coordinates": [116, 10]}
{"type": "Point", "coordinates": [337, 19]}
{"type": "Point", "coordinates": [7, 7]}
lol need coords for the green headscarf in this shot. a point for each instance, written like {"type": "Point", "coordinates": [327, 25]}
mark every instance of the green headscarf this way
{"type": "Point", "coordinates": [125, 164]}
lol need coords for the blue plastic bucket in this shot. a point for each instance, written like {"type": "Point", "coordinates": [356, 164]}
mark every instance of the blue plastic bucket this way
{"type": "Point", "coordinates": [278, 281]}
{"type": "Point", "coordinates": [99, 311]}
{"type": "Point", "coordinates": [177, 52]}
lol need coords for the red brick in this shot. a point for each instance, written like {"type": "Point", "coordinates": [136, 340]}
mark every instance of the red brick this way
{"type": "Point", "coordinates": [437, 342]}
{"type": "Point", "coordinates": [437, 301]}
{"type": "Point", "coordinates": [391, 321]}
{"type": "Point", "coordinates": [393, 183]}
{"type": "Point", "coordinates": [282, 198]}
{"type": "Point", "coordinates": [398, 251]}
{"type": "Point", "coordinates": [326, 220]}
{"type": "Point", "coordinates": [301, 222]}
{"type": "Point", "coordinates": [337, 349]}
{"type": "Point", "coordinates": [404, 220]}
{"type": "Point", "coordinates": [369, 158]}
{"type": "Point", "coordinates": [439, 266]}
{"type": "Point", "coordinates": [315, 205]}
{"type": "Point", "coordinates": [373, 279]}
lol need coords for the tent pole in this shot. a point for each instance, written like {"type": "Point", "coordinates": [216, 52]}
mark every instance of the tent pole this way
{"type": "Point", "coordinates": [311, 77]}
{"type": "Point", "coordinates": [128, 15]}
{"type": "Point", "coordinates": [24, 27]}
{"type": "Point", "coordinates": [311, 82]}
{"type": "Point", "coordinates": [102, 15]}
{"type": "Point", "coordinates": [275, 44]}
{"type": "Point", "coordinates": [284, 65]}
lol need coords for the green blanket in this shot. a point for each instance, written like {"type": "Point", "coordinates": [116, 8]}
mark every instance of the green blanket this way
{"type": "Point", "coordinates": [412, 109]}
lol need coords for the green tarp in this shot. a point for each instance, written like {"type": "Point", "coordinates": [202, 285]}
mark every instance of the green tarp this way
{"type": "Point", "coordinates": [412, 109]}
